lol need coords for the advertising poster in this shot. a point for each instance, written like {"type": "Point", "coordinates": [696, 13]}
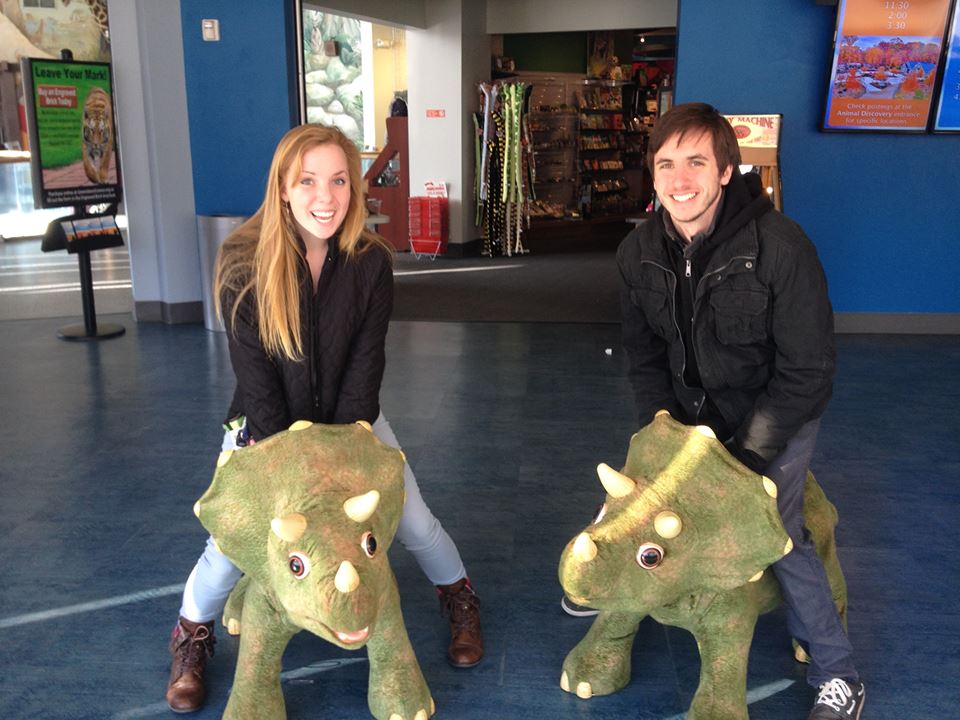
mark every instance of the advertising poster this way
{"type": "Point", "coordinates": [885, 61]}
{"type": "Point", "coordinates": [72, 136]}
{"type": "Point", "coordinates": [948, 110]}
{"type": "Point", "coordinates": [761, 131]}
{"type": "Point", "coordinates": [759, 139]}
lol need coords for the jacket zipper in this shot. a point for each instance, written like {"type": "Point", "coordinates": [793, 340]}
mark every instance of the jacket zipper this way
{"type": "Point", "coordinates": [676, 324]}
{"type": "Point", "coordinates": [315, 330]}
{"type": "Point", "coordinates": [696, 301]}
{"type": "Point", "coordinates": [312, 359]}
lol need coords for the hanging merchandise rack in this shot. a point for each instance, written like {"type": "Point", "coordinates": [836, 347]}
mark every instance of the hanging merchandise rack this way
{"type": "Point", "coordinates": [503, 179]}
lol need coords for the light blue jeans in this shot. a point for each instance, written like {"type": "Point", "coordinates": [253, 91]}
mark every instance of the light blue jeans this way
{"type": "Point", "coordinates": [214, 576]}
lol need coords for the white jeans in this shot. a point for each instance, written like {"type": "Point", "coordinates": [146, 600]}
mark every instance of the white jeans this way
{"type": "Point", "coordinates": [214, 576]}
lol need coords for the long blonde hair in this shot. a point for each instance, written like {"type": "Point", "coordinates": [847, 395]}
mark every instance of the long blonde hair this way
{"type": "Point", "coordinates": [264, 256]}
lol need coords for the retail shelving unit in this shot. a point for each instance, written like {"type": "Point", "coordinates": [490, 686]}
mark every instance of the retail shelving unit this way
{"type": "Point", "coordinates": [563, 161]}
{"type": "Point", "coordinates": [554, 138]}
{"type": "Point", "coordinates": [611, 146]}
{"type": "Point", "coordinates": [554, 132]}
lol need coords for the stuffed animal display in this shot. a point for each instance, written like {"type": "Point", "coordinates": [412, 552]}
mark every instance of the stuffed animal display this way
{"type": "Point", "coordinates": [308, 515]}
{"type": "Point", "coordinates": [684, 536]}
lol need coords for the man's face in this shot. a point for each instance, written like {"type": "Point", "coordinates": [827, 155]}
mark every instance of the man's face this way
{"type": "Point", "coordinates": [688, 182]}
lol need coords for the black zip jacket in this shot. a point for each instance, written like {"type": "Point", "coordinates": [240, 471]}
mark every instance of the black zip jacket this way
{"type": "Point", "coordinates": [757, 318]}
{"type": "Point", "coordinates": [344, 328]}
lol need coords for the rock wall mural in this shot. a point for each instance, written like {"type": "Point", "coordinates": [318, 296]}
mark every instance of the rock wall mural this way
{"type": "Point", "coordinates": [333, 81]}
{"type": "Point", "coordinates": [41, 28]}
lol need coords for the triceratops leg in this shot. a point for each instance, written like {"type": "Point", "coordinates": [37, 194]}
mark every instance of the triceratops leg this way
{"type": "Point", "coordinates": [724, 638]}
{"type": "Point", "coordinates": [600, 663]}
{"type": "Point", "coordinates": [256, 684]}
{"type": "Point", "coordinates": [233, 611]}
{"type": "Point", "coordinates": [396, 687]}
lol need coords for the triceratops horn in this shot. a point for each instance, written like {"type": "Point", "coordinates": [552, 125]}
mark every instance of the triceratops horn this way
{"type": "Point", "coordinates": [668, 524]}
{"type": "Point", "coordinates": [359, 508]}
{"type": "Point", "coordinates": [616, 484]}
{"type": "Point", "coordinates": [584, 549]}
{"type": "Point", "coordinates": [347, 579]}
{"type": "Point", "coordinates": [289, 528]}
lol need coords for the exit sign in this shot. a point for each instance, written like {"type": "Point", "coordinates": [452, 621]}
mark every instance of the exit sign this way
{"type": "Point", "coordinates": [436, 113]}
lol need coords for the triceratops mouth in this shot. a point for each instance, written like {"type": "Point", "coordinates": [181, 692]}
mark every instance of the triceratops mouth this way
{"type": "Point", "coordinates": [349, 638]}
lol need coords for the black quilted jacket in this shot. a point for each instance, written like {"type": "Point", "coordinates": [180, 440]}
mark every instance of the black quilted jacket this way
{"type": "Point", "coordinates": [344, 328]}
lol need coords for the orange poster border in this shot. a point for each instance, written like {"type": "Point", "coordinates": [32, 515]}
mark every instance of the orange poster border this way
{"type": "Point", "coordinates": [858, 113]}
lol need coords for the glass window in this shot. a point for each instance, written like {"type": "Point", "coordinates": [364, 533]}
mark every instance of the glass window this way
{"type": "Point", "coordinates": [354, 70]}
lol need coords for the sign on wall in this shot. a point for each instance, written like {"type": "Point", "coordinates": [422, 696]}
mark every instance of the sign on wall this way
{"type": "Point", "coordinates": [948, 109]}
{"type": "Point", "coordinates": [73, 143]}
{"type": "Point", "coordinates": [759, 139]}
{"type": "Point", "coordinates": [885, 64]}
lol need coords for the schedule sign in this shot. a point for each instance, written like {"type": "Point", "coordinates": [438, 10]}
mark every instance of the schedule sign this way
{"type": "Point", "coordinates": [948, 111]}
{"type": "Point", "coordinates": [885, 64]}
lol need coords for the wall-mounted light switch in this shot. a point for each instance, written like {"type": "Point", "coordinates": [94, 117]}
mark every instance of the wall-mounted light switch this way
{"type": "Point", "coordinates": [211, 30]}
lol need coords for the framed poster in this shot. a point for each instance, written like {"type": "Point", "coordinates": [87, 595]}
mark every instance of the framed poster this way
{"type": "Point", "coordinates": [70, 119]}
{"type": "Point", "coordinates": [759, 139]}
{"type": "Point", "coordinates": [885, 64]}
{"type": "Point", "coordinates": [947, 118]}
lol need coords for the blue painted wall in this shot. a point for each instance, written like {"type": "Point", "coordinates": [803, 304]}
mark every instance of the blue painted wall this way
{"type": "Point", "coordinates": [241, 98]}
{"type": "Point", "coordinates": [883, 210]}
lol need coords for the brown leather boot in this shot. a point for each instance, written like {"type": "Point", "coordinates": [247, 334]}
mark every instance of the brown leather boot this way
{"type": "Point", "coordinates": [461, 603]}
{"type": "Point", "coordinates": [190, 644]}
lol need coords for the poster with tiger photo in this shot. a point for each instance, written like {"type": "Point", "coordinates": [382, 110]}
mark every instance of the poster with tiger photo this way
{"type": "Point", "coordinates": [73, 144]}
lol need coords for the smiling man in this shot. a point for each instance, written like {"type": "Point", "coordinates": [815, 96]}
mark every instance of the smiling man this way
{"type": "Point", "coordinates": [727, 323]}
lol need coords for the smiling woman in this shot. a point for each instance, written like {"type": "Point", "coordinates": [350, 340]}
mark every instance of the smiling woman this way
{"type": "Point", "coordinates": [306, 291]}
{"type": "Point", "coordinates": [318, 196]}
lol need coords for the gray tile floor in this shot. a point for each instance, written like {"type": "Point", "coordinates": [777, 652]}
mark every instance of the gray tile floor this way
{"type": "Point", "coordinates": [108, 444]}
{"type": "Point", "coordinates": [35, 284]}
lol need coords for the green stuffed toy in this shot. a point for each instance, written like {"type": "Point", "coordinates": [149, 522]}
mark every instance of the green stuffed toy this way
{"type": "Point", "coordinates": [684, 536]}
{"type": "Point", "coordinates": [308, 515]}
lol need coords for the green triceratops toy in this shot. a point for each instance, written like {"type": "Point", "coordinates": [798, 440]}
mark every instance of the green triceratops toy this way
{"type": "Point", "coordinates": [684, 536]}
{"type": "Point", "coordinates": [308, 515]}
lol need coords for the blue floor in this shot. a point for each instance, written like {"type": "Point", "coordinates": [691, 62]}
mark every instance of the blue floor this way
{"type": "Point", "coordinates": [107, 446]}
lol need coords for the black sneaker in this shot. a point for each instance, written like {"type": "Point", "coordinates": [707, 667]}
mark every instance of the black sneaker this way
{"type": "Point", "coordinates": [571, 608]}
{"type": "Point", "coordinates": [838, 700]}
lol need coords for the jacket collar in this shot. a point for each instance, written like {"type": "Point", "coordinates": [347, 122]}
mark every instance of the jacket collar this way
{"type": "Point", "coordinates": [333, 247]}
{"type": "Point", "coordinates": [733, 233]}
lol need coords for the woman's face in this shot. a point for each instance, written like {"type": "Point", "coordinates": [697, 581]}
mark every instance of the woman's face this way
{"type": "Point", "coordinates": [319, 195]}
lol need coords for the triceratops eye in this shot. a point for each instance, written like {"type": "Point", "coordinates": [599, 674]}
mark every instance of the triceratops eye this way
{"type": "Point", "coordinates": [299, 565]}
{"type": "Point", "coordinates": [649, 556]}
{"type": "Point", "coordinates": [369, 544]}
{"type": "Point", "coordinates": [600, 514]}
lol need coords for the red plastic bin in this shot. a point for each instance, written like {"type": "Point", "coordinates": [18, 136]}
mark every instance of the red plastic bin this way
{"type": "Point", "coordinates": [428, 225]}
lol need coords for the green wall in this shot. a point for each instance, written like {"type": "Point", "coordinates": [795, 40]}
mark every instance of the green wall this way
{"type": "Point", "coordinates": [547, 52]}
{"type": "Point", "coordinates": [559, 51]}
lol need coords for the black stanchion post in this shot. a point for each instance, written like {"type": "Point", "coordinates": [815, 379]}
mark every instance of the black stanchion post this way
{"type": "Point", "coordinates": [86, 293]}
{"type": "Point", "coordinates": [90, 330]}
